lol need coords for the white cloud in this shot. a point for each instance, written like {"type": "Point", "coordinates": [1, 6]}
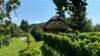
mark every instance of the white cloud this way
{"type": "Point", "coordinates": [37, 22]}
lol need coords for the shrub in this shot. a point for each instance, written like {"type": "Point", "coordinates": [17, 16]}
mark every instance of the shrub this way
{"type": "Point", "coordinates": [37, 33]}
{"type": "Point", "coordinates": [95, 38]}
{"type": "Point", "coordinates": [30, 50]}
{"type": "Point", "coordinates": [4, 40]}
{"type": "Point", "coordinates": [84, 44]}
{"type": "Point", "coordinates": [83, 36]}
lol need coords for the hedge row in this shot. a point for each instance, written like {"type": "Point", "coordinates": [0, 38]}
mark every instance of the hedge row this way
{"type": "Point", "coordinates": [74, 45]}
{"type": "Point", "coordinates": [30, 50]}
{"type": "Point", "coordinates": [91, 36]}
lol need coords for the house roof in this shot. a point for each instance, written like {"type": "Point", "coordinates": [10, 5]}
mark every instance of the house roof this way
{"type": "Point", "coordinates": [55, 23]}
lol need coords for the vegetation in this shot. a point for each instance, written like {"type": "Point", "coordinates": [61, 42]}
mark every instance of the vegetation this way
{"type": "Point", "coordinates": [97, 28]}
{"type": "Point", "coordinates": [7, 6]}
{"type": "Point", "coordinates": [76, 9]}
{"type": "Point", "coordinates": [4, 40]}
{"type": "Point", "coordinates": [85, 44]}
{"type": "Point", "coordinates": [37, 33]}
{"type": "Point", "coordinates": [48, 51]}
{"type": "Point", "coordinates": [33, 47]}
{"type": "Point", "coordinates": [15, 45]}
{"type": "Point", "coordinates": [24, 25]}
{"type": "Point", "coordinates": [7, 27]}
{"type": "Point", "coordinates": [82, 38]}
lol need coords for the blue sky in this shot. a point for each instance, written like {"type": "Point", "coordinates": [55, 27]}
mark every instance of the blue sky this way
{"type": "Point", "coordinates": [36, 11]}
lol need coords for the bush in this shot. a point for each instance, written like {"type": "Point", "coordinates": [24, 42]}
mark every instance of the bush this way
{"type": "Point", "coordinates": [4, 40]}
{"type": "Point", "coordinates": [83, 36]}
{"type": "Point", "coordinates": [83, 44]}
{"type": "Point", "coordinates": [95, 38]}
{"type": "Point", "coordinates": [36, 33]}
{"type": "Point", "coordinates": [30, 50]}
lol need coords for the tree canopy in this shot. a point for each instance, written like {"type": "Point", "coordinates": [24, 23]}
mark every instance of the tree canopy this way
{"type": "Point", "coordinates": [76, 9]}
{"type": "Point", "coordinates": [7, 6]}
{"type": "Point", "coordinates": [24, 25]}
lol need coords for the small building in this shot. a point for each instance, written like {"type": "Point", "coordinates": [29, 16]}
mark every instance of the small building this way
{"type": "Point", "coordinates": [55, 25]}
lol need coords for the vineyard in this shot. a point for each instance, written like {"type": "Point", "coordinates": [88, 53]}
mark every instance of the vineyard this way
{"type": "Point", "coordinates": [82, 44]}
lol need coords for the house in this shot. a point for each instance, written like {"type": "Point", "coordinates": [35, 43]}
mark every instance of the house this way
{"type": "Point", "coordinates": [55, 25]}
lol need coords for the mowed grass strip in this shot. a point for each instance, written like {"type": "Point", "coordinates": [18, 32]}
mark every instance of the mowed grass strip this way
{"type": "Point", "coordinates": [13, 48]}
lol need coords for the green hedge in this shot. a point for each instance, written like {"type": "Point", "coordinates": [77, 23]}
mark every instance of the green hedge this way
{"type": "Point", "coordinates": [31, 50]}
{"type": "Point", "coordinates": [74, 45]}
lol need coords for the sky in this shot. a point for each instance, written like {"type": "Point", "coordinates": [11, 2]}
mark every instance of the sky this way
{"type": "Point", "coordinates": [38, 11]}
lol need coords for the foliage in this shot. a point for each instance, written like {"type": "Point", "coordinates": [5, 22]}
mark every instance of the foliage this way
{"type": "Point", "coordinates": [97, 28]}
{"type": "Point", "coordinates": [24, 26]}
{"type": "Point", "coordinates": [14, 30]}
{"type": "Point", "coordinates": [15, 45]}
{"type": "Point", "coordinates": [8, 30]}
{"type": "Point", "coordinates": [77, 11]}
{"type": "Point", "coordinates": [4, 40]}
{"type": "Point", "coordinates": [33, 47]}
{"type": "Point", "coordinates": [83, 44]}
{"type": "Point", "coordinates": [18, 47]}
{"type": "Point", "coordinates": [8, 6]}
{"type": "Point", "coordinates": [88, 26]}
{"type": "Point", "coordinates": [48, 51]}
{"type": "Point", "coordinates": [37, 33]}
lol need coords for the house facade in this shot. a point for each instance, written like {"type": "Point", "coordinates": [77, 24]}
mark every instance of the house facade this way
{"type": "Point", "coordinates": [55, 25]}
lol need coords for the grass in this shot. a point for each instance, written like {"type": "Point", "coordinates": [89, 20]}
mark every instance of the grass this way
{"type": "Point", "coordinates": [16, 45]}
{"type": "Point", "coordinates": [13, 48]}
{"type": "Point", "coordinates": [35, 44]}
{"type": "Point", "coordinates": [34, 47]}
{"type": "Point", "coordinates": [37, 48]}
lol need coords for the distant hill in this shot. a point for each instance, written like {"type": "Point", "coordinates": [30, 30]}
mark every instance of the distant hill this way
{"type": "Point", "coordinates": [37, 25]}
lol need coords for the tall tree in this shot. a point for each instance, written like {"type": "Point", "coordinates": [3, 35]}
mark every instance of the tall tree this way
{"type": "Point", "coordinates": [61, 7]}
{"type": "Point", "coordinates": [6, 7]}
{"type": "Point", "coordinates": [76, 9]}
{"type": "Point", "coordinates": [24, 25]}
{"type": "Point", "coordinates": [97, 28]}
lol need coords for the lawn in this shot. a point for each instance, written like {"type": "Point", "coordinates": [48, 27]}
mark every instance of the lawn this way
{"type": "Point", "coordinates": [13, 48]}
{"type": "Point", "coordinates": [17, 44]}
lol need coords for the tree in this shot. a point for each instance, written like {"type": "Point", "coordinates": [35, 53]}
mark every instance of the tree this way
{"type": "Point", "coordinates": [24, 25]}
{"type": "Point", "coordinates": [97, 28]}
{"type": "Point", "coordinates": [76, 9]}
{"type": "Point", "coordinates": [7, 6]}
{"type": "Point", "coordinates": [88, 26]}
{"type": "Point", "coordinates": [78, 13]}
{"type": "Point", "coordinates": [36, 32]}
{"type": "Point", "coordinates": [61, 7]}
